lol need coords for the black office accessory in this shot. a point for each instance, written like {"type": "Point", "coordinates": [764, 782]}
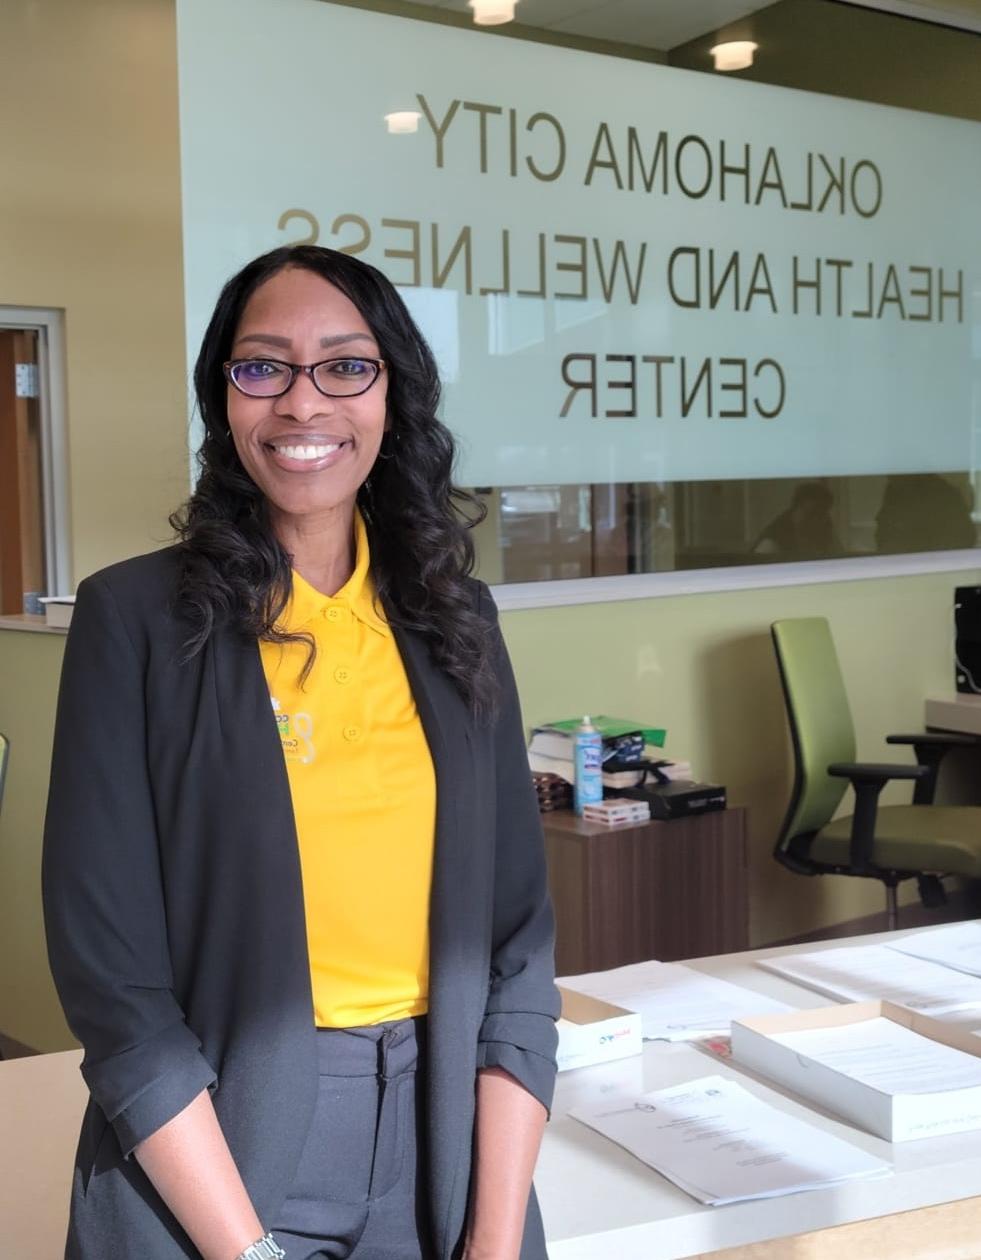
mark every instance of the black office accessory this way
{"type": "Point", "coordinates": [967, 639]}
{"type": "Point", "coordinates": [682, 800]}
{"type": "Point", "coordinates": [672, 798]}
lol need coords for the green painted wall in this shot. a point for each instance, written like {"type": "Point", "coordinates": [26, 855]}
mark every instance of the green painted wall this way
{"type": "Point", "coordinates": [699, 664]}
{"type": "Point", "coordinates": [703, 667]}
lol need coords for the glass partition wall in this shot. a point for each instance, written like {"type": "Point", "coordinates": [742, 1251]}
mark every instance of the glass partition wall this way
{"type": "Point", "coordinates": [536, 533]}
{"type": "Point", "coordinates": [687, 318]}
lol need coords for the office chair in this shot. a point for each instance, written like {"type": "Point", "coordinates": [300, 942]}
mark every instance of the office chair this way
{"type": "Point", "coordinates": [921, 841]}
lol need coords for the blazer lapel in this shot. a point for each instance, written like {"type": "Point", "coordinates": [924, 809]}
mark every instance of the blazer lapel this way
{"type": "Point", "coordinates": [256, 785]}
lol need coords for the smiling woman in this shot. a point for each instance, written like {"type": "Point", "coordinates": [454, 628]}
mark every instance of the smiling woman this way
{"type": "Point", "coordinates": [300, 922]}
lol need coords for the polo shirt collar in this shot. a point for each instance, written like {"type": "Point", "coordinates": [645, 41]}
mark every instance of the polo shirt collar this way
{"type": "Point", "coordinates": [357, 594]}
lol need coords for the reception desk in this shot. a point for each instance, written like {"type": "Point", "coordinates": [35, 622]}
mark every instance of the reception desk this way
{"type": "Point", "coordinates": [598, 1202]}
{"type": "Point", "coordinates": [959, 713]}
{"type": "Point", "coordinates": [959, 782]}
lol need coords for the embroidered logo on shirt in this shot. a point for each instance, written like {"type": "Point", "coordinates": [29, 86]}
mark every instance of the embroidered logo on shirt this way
{"type": "Point", "coordinates": [295, 734]}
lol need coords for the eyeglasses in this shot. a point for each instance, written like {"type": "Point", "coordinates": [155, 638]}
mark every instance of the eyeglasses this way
{"type": "Point", "coordinates": [271, 378]}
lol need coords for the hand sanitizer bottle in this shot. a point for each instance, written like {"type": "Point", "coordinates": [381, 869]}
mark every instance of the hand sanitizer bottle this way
{"type": "Point", "coordinates": [588, 746]}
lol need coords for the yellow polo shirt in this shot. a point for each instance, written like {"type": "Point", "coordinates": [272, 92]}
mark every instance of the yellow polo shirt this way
{"type": "Point", "coordinates": [364, 798]}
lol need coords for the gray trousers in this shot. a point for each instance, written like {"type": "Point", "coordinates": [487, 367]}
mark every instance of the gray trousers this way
{"type": "Point", "coordinates": [359, 1191]}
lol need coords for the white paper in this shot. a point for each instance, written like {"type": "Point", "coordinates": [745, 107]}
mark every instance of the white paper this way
{"type": "Point", "coordinates": [886, 1056]}
{"type": "Point", "coordinates": [957, 945]}
{"type": "Point", "coordinates": [862, 973]}
{"type": "Point", "coordinates": [676, 1003]}
{"type": "Point", "coordinates": [721, 1144]}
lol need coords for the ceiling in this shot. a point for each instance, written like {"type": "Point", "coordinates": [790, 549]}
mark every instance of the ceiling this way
{"type": "Point", "coordinates": [649, 23]}
{"type": "Point", "coordinates": [664, 24]}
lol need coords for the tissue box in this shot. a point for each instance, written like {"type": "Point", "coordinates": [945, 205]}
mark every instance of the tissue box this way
{"type": "Point", "coordinates": [591, 1031]}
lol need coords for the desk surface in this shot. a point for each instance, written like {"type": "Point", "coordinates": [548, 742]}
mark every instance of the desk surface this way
{"type": "Point", "coordinates": [597, 1200]}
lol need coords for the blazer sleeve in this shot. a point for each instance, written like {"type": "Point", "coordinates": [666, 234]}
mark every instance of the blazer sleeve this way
{"type": "Point", "coordinates": [102, 889]}
{"type": "Point", "coordinates": [518, 1031]}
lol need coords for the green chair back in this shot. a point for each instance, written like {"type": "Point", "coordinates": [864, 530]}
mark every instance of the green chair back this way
{"type": "Point", "coordinates": [4, 758]}
{"type": "Point", "coordinates": [820, 722]}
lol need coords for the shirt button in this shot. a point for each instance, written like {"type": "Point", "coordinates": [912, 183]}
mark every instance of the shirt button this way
{"type": "Point", "coordinates": [352, 733]}
{"type": "Point", "coordinates": [342, 675]}
{"type": "Point", "coordinates": [333, 614]}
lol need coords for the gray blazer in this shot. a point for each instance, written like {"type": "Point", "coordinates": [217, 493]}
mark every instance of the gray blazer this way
{"type": "Point", "coordinates": [174, 913]}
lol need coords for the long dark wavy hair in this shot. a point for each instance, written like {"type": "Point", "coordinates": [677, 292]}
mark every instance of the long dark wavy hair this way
{"type": "Point", "coordinates": [234, 570]}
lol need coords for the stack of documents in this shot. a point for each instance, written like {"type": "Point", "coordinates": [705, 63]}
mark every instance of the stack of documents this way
{"type": "Point", "coordinates": [958, 946]}
{"type": "Point", "coordinates": [886, 1056]}
{"type": "Point", "coordinates": [889, 1070]}
{"type": "Point", "coordinates": [676, 1003]}
{"type": "Point", "coordinates": [859, 973]}
{"type": "Point", "coordinates": [721, 1144]}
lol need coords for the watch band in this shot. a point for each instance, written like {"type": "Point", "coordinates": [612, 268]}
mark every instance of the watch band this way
{"type": "Point", "coordinates": [265, 1248]}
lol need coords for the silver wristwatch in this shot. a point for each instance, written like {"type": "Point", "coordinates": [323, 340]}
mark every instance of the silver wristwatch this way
{"type": "Point", "coordinates": [267, 1248]}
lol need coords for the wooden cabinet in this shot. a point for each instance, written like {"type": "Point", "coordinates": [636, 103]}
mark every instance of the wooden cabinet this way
{"type": "Point", "coordinates": [664, 890]}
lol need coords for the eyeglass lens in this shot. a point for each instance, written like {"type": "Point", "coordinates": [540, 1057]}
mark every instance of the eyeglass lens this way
{"type": "Point", "coordinates": [265, 378]}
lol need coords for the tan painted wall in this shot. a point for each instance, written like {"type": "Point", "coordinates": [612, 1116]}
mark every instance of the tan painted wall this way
{"type": "Point", "coordinates": [29, 1010]}
{"type": "Point", "coordinates": [90, 222]}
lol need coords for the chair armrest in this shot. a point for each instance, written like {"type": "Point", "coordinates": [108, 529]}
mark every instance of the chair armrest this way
{"type": "Point", "coordinates": [930, 748]}
{"type": "Point", "coordinates": [868, 780]}
{"type": "Point", "coordinates": [875, 772]}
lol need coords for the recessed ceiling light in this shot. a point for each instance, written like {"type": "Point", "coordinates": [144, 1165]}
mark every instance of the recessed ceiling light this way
{"type": "Point", "coordinates": [736, 55]}
{"type": "Point", "coordinates": [492, 12]}
{"type": "Point", "coordinates": [402, 121]}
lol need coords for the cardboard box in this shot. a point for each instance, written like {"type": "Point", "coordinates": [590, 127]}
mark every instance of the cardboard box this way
{"type": "Point", "coordinates": [592, 1031]}
{"type": "Point", "coordinates": [895, 1117]}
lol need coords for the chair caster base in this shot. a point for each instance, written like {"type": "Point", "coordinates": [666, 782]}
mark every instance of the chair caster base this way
{"type": "Point", "coordinates": [932, 892]}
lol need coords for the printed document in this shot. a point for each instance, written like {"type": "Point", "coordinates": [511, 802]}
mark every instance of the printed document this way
{"type": "Point", "coordinates": [721, 1144]}
{"type": "Point", "coordinates": [886, 1056]}
{"type": "Point", "coordinates": [676, 1003]}
{"type": "Point", "coordinates": [957, 945]}
{"type": "Point", "coordinates": [862, 973]}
